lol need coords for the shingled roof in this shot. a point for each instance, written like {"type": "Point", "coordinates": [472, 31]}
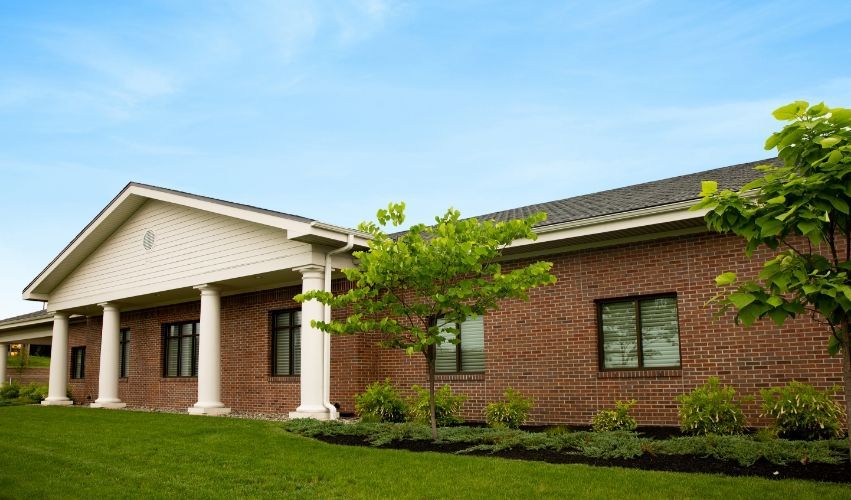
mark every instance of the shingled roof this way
{"type": "Point", "coordinates": [638, 196]}
{"type": "Point", "coordinates": [26, 317]}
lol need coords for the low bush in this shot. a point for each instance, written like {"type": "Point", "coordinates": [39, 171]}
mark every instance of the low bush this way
{"type": "Point", "coordinates": [14, 393]}
{"type": "Point", "coordinates": [447, 406]}
{"type": "Point", "coordinates": [801, 411]}
{"type": "Point", "coordinates": [33, 393]}
{"type": "Point", "coordinates": [510, 413]}
{"type": "Point", "coordinates": [743, 450]}
{"type": "Point", "coordinates": [711, 409]}
{"type": "Point", "coordinates": [9, 391]}
{"type": "Point", "coordinates": [618, 419]}
{"type": "Point", "coordinates": [380, 402]}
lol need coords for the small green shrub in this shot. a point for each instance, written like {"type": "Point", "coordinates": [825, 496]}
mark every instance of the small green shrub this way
{"type": "Point", "coordinates": [618, 419]}
{"type": "Point", "coordinates": [711, 409]}
{"type": "Point", "coordinates": [511, 413]}
{"type": "Point", "coordinates": [803, 412]}
{"type": "Point", "coordinates": [447, 406]}
{"type": "Point", "coordinates": [32, 394]}
{"type": "Point", "coordinates": [9, 391]}
{"type": "Point", "coordinates": [380, 402]}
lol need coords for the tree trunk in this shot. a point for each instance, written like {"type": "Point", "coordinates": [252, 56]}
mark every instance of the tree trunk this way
{"type": "Point", "coordinates": [430, 356]}
{"type": "Point", "coordinates": [846, 378]}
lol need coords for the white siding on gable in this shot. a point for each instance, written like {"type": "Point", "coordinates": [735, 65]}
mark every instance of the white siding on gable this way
{"type": "Point", "coordinates": [185, 244]}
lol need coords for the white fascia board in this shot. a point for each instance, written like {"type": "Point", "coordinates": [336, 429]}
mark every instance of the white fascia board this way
{"type": "Point", "coordinates": [218, 208]}
{"type": "Point", "coordinates": [330, 233]}
{"type": "Point", "coordinates": [26, 323]}
{"type": "Point", "coordinates": [614, 222]}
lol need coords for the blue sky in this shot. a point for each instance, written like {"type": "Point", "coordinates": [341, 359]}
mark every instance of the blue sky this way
{"type": "Point", "coordinates": [330, 109]}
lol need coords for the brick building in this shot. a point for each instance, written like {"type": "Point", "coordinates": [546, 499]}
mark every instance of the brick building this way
{"type": "Point", "coordinates": [172, 300]}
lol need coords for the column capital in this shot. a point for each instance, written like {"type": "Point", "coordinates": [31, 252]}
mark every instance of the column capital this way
{"type": "Point", "coordinates": [207, 289]}
{"type": "Point", "coordinates": [109, 306]}
{"type": "Point", "coordinates": [310, 271]}
{"type": "Point", "coordinates": [61, 315]}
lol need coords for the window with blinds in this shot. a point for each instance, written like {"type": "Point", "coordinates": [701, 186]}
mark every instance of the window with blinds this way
{"type": "Point", "coordinates": [78, 362]}
{"type": "Point", "coordinates": [123, 352]}
{"type": "Point", "coordinates": [180, 346]}
{"type": "Point", "coordinates": [468, 356]}
{"type": "Point", "coordinates": [286, 342]}
{"type": "Point", "coordinates": [641, 332]}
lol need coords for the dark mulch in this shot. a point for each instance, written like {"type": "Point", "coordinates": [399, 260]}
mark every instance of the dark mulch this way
{"type": "Point", "coordinates": [840, 473]}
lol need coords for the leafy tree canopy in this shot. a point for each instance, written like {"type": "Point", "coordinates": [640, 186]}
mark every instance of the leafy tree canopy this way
{"type": "Point", "coordinates": [417, 287]}
{"type": "Point", "coordinates": [800, 209]}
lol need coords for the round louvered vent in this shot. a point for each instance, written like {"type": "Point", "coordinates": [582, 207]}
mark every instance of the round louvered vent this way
{"type": "Point", "coordinates": [148, 240]}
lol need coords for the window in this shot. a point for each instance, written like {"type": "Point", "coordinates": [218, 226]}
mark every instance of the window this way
{"type": "Point", "coordinates": [640, 332]}
{"type": "Point", "coordinates": [180, 349]}
{"type": "Point", "coordinates": [466, 356]}
{"type": "Point", "coordinates": [78, 362]}
{"type": "Point", "coordinates": [286, 342]}
{"type": "Point", "coordinates": [123, 352]}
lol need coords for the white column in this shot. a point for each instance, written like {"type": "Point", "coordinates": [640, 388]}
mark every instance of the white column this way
{"type": "Point", "coordinates": [311, 349]}
{"type": "Point", "coordinates": [109, 359]}
{"type": "Point", "coordinates": [58, 385]}
{"type": "Point", "coordinates": [209, 355]}
{"type": "Point", "coordinates": [4, 353]}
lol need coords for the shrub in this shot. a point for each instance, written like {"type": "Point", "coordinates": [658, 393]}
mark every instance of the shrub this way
{"type": "Point", "coordinates": [802, 412]}
{"type": "Point", "coordinates": [447, 406]}
{"type": "Point", "coordinates": [380, 402]}
{"type": "Point", "coordinates": [711, 409]}
{"type": "Point", "coordinates": [618, 419]}
{"type": "Point", "coordinates": [32, 394]}
{"type": "Point", "coordinates": [511, 413]}
{"type": "Point", "coordinates": [9, 391]}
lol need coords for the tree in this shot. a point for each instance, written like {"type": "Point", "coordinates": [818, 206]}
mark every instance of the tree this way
{"type": "Point", "coordinates": [414, 289]}
{"type": "Point", "coordinates": [800, 209]}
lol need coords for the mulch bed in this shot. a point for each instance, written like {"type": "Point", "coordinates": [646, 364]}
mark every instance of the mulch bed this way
{"type": "Point", "coordinates": [840, 473]}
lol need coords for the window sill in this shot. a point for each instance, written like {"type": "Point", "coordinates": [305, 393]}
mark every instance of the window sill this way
{"type": "Point", "coordinates": [670, 373]}
{"type": "Point", "coordinates": [459, 377]}
{"type": "Point", "coordinates": [285, 379]}
{"type": "Point", "coordinates": [178, 379]}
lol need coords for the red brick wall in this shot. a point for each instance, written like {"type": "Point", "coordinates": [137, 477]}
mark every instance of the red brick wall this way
{"type": "Point", "coordinates": [546, 347]}
{"type": "Point", "coordinates": [28, 375]}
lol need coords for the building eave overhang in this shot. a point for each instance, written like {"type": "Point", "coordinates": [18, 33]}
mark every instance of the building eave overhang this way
{"type": "Point", "coordinates": [134, 195]}
{"type": "Point", "coordinates": [661, 217]}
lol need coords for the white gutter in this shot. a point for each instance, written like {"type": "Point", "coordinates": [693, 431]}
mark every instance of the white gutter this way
{"type": "Point", "coordinates": [326, 356]}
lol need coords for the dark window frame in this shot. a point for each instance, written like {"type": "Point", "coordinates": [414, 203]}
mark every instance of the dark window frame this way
{"type": "Point", "coordinates": [196, 327]}
{"type": "Point", "coordinates": [636, 300]}
{"type": "Point", "coordinates": [273, 351]}
{"type": "Point", "coordinates": [123, 353]}
{"type": "Point", "coordinates": [458, 355]}
{"type": "Point", "coordinates": [75, 373]}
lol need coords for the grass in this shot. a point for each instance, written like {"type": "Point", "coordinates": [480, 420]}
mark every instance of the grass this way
{"type": "Point", "coordinates": [83, 453]}
{"type": "Point", "coordinates": [14, 362]}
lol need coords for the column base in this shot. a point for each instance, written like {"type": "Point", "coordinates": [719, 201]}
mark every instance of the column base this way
{"type": "Point", "coordinates": [57, 402]}
{"type": "Point", "coordinates": [316, 415]}
{"type": "Point", "coordinates": [194, 410]}
{"type": "Point", "coordinates": [109, 405]}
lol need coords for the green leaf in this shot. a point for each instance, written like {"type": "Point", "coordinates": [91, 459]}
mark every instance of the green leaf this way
{"type": "Point", "coordinates": [774, 301]}
{"type": "Point", "coordinates": [829, 142]}
{"type": "Point", "coordinates": [773, 140]}
{"type": "Point", "coordinates": [741, 300]}
{"type": "Point", "coordinates": [725, 279]}
{"type": "Point", "coordinates": [708, 188]}
{"type": "Point", "coordinates": [778, 316]}
{"type": "Point", "coordinates": [790, 111]}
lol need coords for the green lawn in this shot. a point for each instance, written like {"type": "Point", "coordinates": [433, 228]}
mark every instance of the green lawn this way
{"type": "Point", "coordinates": [13, 362]}
{"type": "Point", "coordinates": [87, 453]}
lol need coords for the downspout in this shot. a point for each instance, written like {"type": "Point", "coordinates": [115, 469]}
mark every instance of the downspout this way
{"type": "Point", "coordinates": [326, 356]}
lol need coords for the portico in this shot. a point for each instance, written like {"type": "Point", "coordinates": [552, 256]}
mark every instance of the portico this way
{"type": "Point", "coordinates": [153, 248]}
